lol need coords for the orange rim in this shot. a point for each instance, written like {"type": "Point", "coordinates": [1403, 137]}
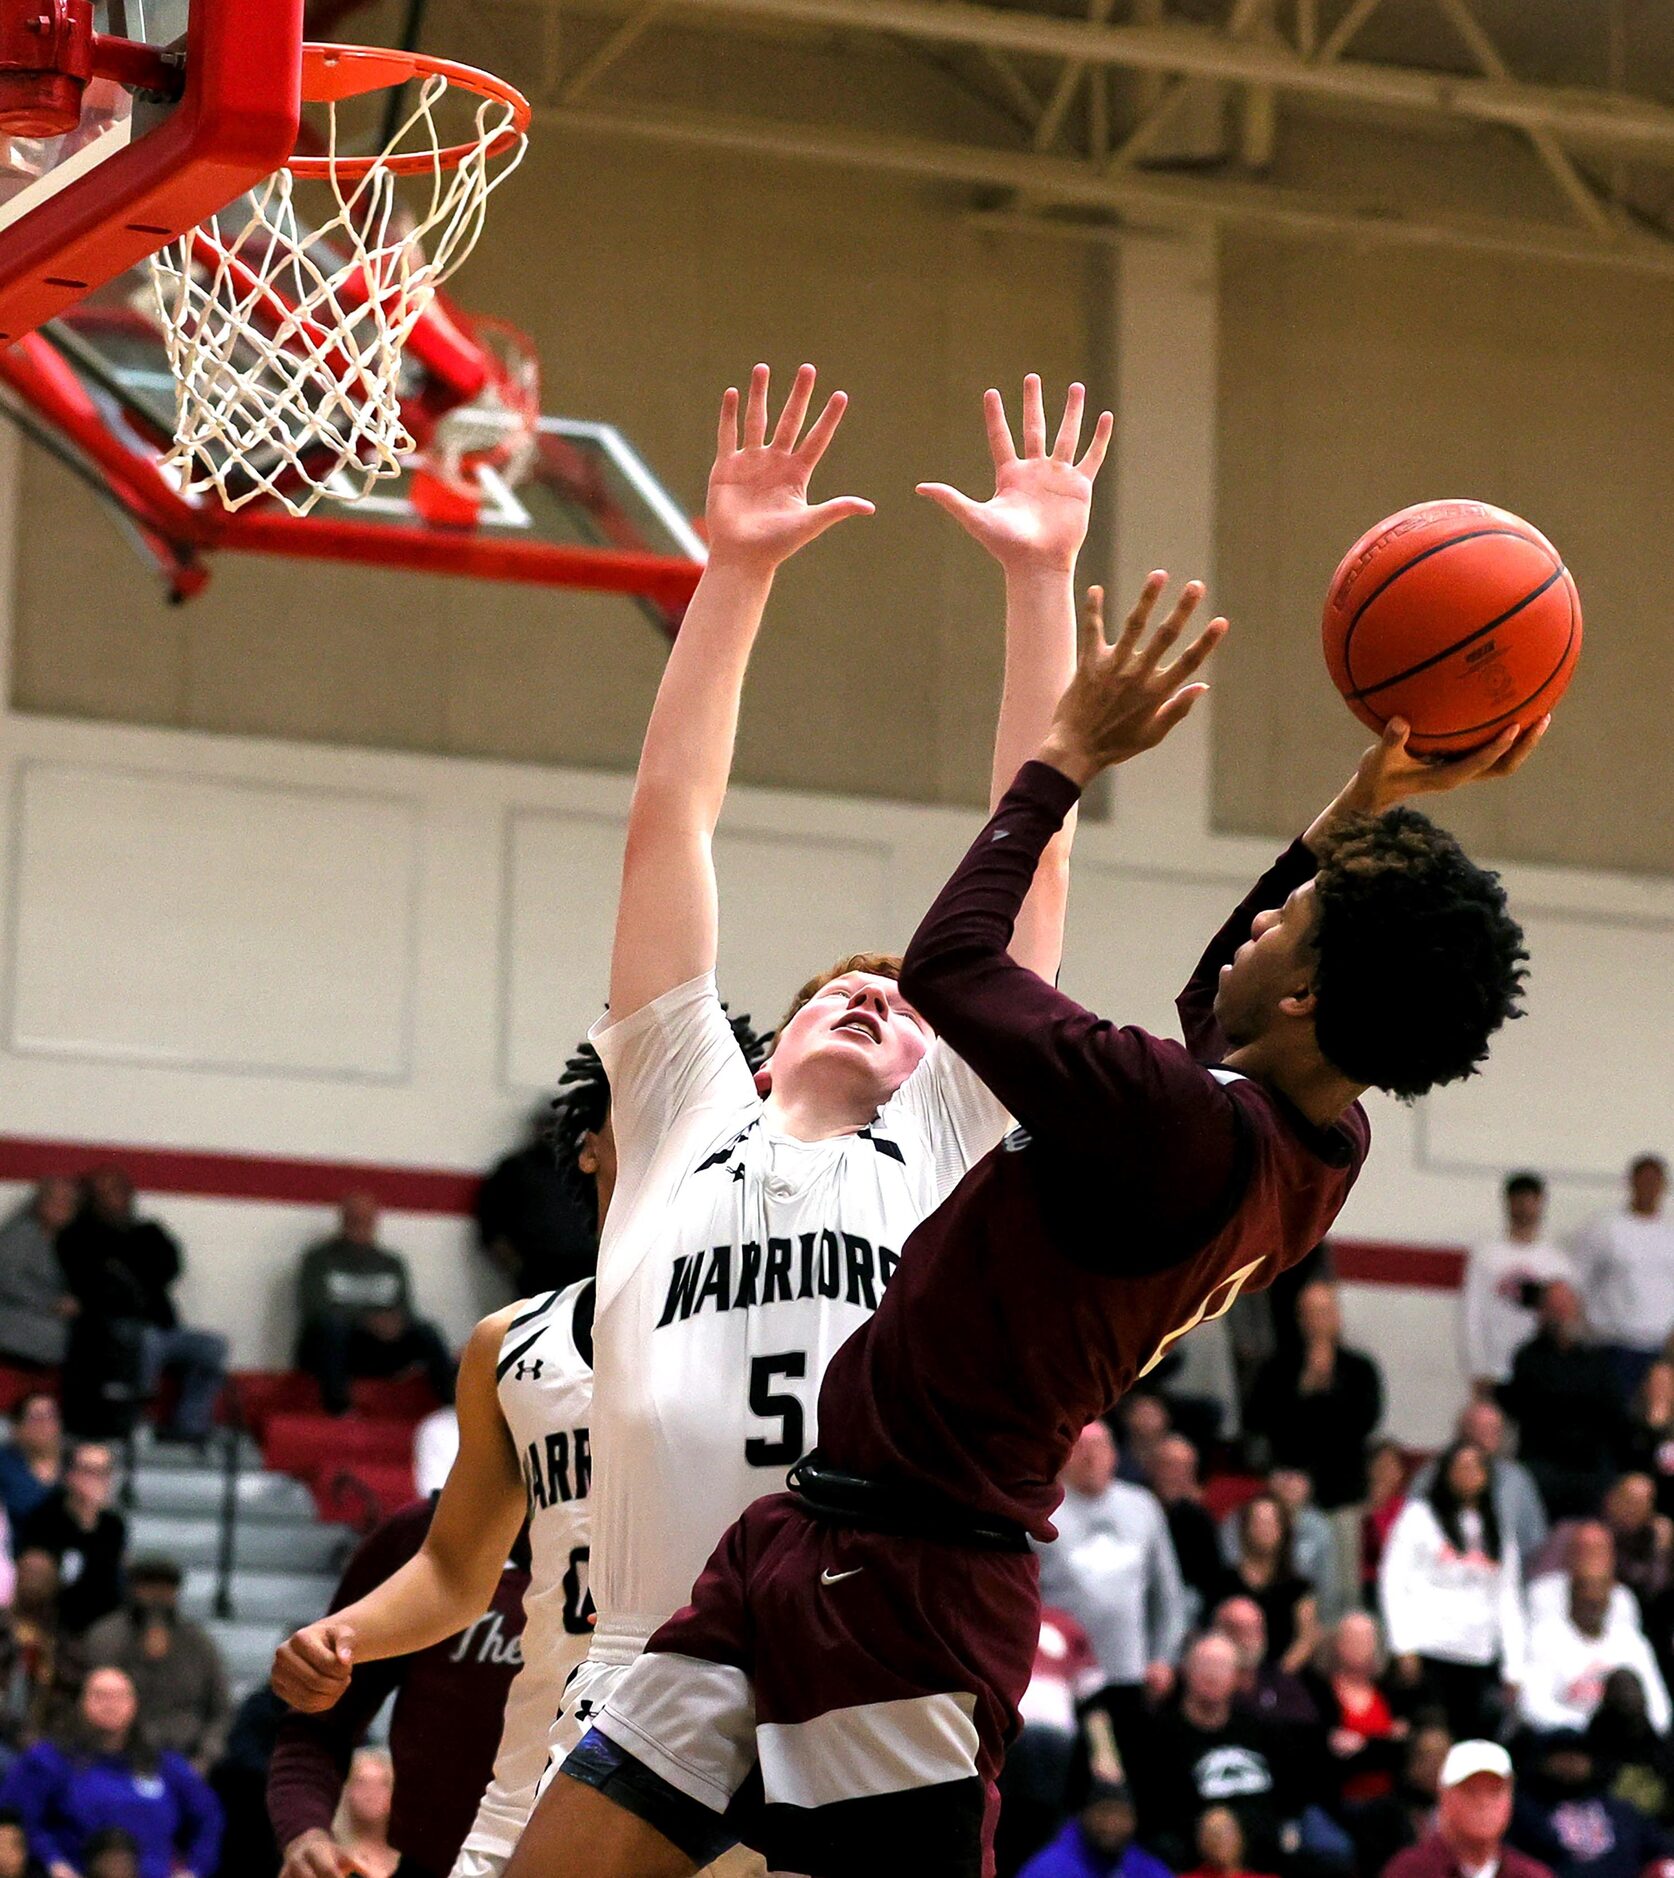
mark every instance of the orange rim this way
{"type": "Point", "coordinates": [331, 73]}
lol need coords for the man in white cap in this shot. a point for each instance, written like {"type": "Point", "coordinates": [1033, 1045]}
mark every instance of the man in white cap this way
{"type": "Point", "coordinates": [1473, 1810]}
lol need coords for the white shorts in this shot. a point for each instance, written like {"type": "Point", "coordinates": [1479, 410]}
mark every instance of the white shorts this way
{"type": "Point", "coordinates": [477, 1863]}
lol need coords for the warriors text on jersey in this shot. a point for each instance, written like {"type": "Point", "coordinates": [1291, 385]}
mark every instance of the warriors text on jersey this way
{"type": "Point", "coordinates": [545, 1375]}
{"type": "Point", "coordinates": [733, 1264]}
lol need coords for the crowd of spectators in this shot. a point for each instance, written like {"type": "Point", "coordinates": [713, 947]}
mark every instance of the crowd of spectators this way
{"type": "Point", "coordinates": [1312, 1654]}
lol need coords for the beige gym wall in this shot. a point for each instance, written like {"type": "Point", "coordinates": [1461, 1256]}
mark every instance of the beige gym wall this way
{"type": "Point", "coordinates": [650, 279]}
{"type": "Point", "coordinates": [1354, 382]}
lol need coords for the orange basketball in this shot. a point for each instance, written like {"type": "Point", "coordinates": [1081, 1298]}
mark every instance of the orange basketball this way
{"type": "Point", "coordinates": [1458, 617]}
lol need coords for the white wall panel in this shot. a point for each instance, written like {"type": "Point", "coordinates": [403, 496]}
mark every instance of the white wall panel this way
{"type": "Point", "coordinates": [178, 919]}
{"type": "Point", "coordinates": [1593, 1050]}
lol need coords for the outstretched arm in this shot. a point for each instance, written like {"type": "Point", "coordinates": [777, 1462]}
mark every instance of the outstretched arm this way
{"type": "Point", "coordinates": [758, 515]}
{"type": "Point", "coordinates": [451, 1580]}
{"type": "Point", "coordinates": [1034, 525]}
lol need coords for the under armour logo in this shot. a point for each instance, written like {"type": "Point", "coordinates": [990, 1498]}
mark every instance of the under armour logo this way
{"type": "Point", "coordinates": [586, 1709]}
{"type": "Point", "coordinates": [527, 1371]}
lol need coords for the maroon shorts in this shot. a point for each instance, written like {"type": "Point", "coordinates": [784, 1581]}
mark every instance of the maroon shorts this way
{"type": "Point", "coordinates": [869, 1682]}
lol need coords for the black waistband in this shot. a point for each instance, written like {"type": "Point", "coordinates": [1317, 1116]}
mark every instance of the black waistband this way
{"type": "Point", "coordinates": [884, 1506]}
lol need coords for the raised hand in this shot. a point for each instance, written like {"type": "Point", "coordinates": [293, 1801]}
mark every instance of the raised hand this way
{"type": "Point", "coordinates": [1038, 513]}
{"type": "Point", "coordinates": [311, 1668]}
{"type": "Point", "coordinates": [315, 1854]}
{"type": "Point", "coordinates": [758, 513]}
{"type": "Point", "coordinates": [1123, 699]}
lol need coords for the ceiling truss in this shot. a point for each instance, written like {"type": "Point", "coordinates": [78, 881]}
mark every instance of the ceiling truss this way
{"type": "Point", "coordinates": [1082, 114]}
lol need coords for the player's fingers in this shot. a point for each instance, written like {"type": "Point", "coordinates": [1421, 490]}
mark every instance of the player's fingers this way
{"type": "Point", "coordinates": [726, 435]}
{"type": "Point", "coordinates": [1090, 628]}
{"type": "Point", "coordinates": [1449, 773]}
{"type": "Point", "coordinates": [1000, 445]}
{"type": "Point", "coordinates": [1171, 713]}
{"type": "Point", "coordinates": [1092, 460]}
{"type": "Point", "coordinates": [1200, 648]}
{"type": "Point", "coordinates": [1034, 417]}
{"type": "Point", "coordinates": [1069, 430]}
{"type": "Point", "coordinates": [755, 410]}
{"type": "Point", "coordinates": [342, 1637]}
{"type": "Point", "coordinates": [796, 409]}
{"type": "Point", "coordinates": [814, 445]}
{"type": "Point", "coordinates": [957, 504]}
{"type": "Point", "coordinates": [1170, 630]}
{"type": "Point", "coordinates": [1523, 748]}
{"type": "Point", "coordinates": [1140, 612]}
{"type": "Point", "coordinates": [824, 515]}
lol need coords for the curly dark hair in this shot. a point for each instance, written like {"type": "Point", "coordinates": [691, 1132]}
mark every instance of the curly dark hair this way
{"type": "Point", "coordinates": [1419, 963]}
{"type": "Point", "coordinates": [583, 1101]}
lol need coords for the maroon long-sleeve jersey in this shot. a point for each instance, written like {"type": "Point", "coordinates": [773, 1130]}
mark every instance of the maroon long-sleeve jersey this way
{"type": "Point", "coordinates": [1142, 1191]}
{"type": "Point", "coordinates": [443, 1732]}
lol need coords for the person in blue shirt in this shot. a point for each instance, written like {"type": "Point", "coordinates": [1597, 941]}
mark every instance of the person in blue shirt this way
{"type": "Point", "coordinates": [106, 1775]}
{"type": "Point", "coordinates": [1098, 1842]}
{"type": "Point", "coordinates": [32, 1462]}
{"type": "Point", "coordinates": [1566, 1817]}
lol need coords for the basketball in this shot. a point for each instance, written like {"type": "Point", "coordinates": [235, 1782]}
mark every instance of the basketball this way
{"type": "Point", "coordinates": [1460, 618]}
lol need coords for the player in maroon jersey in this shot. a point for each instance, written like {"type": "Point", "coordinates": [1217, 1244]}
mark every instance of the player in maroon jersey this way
{"type": "Point", "coordinates": [840, 1690]}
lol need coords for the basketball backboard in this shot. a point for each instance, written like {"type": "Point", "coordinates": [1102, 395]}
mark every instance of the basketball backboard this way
{"type": "Point", "coordinates": [169, 109]}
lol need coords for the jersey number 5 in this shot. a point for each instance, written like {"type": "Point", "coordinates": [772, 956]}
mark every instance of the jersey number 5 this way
{"type": "Point", "coordinates": [787, 1446]}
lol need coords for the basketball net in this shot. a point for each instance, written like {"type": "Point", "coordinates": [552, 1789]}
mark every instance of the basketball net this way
{"type": "Point", "coordinates": [286, 337]}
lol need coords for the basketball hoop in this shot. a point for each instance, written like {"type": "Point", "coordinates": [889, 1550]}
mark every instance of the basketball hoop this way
{"type": "Point", "coordinates": [286, 337]}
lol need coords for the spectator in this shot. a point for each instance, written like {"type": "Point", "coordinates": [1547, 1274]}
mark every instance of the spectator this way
{"type": "Point", "coordinates": [1313, 1546]}
{"type": "Point", "coordinates": [1503, 1279]}
{"type": "Point", "coordinates": [1584, 1547]}
{"type": "Point", "coordinates": [16, 1860]}
{"type": "Point", "coordinates": [1201, 1745]}
{"type": "Point", "coordinates": [1644, 1537]}
{"type": "Point", "coordinates": [1265, 1572]}
{"type": "Point", "coordinates": [538, 1228]}
{"type": "Point", "coordinates": [1626, 1260]}
{"type": "Point", "coordinates": [86, 1539]}
{"type": "Point", "coordinates": [1648, 1438]}
{"type": "Point", "coordinates": [1279, 1698]}
{"type": "Point", "coordinates": [1637, 1762]}
{"type": "Point", "coordinates": [1565, 1406]}
{"type": "Point", "coordinates": [1220, 1846]}
{"type": "Point", "coordinates": [1573, 1648]}
{"type": "Point", "coordinates": [172, 1662]}
{"type": "Point", "coordinates": [239, 1782]}
{"type": "Point", "coordinates": [1113, 1569]}
{"type": "Point", "coordinates": [1565, 1816]}
{"type": "Point", "coordinates": [1451, 1594]}
{"type": "Point", "coordinates": [40, 1668]}
{"type": "Point", "coordinates": [1145, 1424]}
{"type": "Point", "coordinates": [122, 1270]}
{"type": "Point", "coordinates": [112, 1853]}
{"type": "Point", "coordinates": [362, 1827]}
{"type": "Point", "coordinates": [355, 1303]}
{"type": "Point", "coordinates": [1363, 1738]}
{"type": "Point", "coordinates": [1381, 1828]}
{"type": "Point", "coordinates": [1473, 1811]}
{"type": "Point", "coordinates": [1098, 1842]}
{"type": "Point", "coordinates": [1317, 1407]}
{"type": "Point", "coordinates": [32, 1462]}
{"type": "Point", "coordinates": [1386, 1494]}
{"type": "Point", "coordinates": [442, 1771]}
{"type": "Point", "coordinates": [106, 1773]}
{"type": "Point", "coordinates": [35, 1301]}
{"type": "Point", "coordinates": [1191, 1526]}
{"type": "Point", "coordinates": [1517, 1501]}
{"type": "Point", "coordinates": [1035, 1780]}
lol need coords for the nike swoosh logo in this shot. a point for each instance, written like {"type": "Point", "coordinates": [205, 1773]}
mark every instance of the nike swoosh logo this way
{"type": "Point", "coordinates": [1000, 834]}
{"type": "Point", "coordinates": [836, 1578]}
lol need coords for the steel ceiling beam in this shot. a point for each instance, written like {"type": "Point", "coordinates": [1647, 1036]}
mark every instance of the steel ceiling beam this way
{"type": "Point", "coordinates": [1636, 126]}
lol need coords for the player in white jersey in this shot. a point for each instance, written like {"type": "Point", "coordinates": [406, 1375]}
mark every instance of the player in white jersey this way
{"type": "Point", "coordinates": [755, 1221]}
{"type": "Point", "coordinates": [525, 1396]}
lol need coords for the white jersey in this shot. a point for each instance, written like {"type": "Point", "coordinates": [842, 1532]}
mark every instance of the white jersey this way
{"type": "Point", "coordinates": [732, 1266]}
{"type": "Point", "coordinates": [545, 1377]}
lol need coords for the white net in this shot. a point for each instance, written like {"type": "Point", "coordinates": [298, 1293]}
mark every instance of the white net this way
{"type": "Point", "coordinates": [286, 338]}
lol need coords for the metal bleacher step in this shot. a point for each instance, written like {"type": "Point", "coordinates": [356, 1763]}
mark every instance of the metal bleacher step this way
{"type": "Point", "coordinates": [181, 1457]}
{"type": "Point", "coordinates": [300, 1546]}
{"type": "Point", "coordinates": [247, 1650]}
{"type": "Point", "coordinates": [285, 1598]}
{"type": "Point", "coordinates": [261, 1497]}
